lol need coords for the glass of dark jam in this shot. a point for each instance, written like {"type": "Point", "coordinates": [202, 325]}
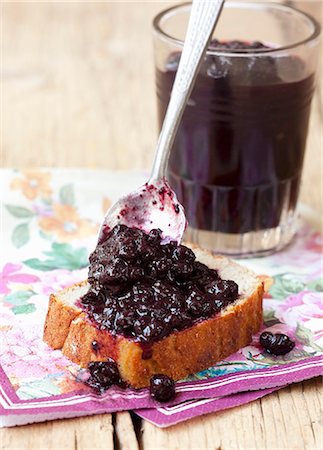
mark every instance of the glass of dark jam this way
{"type": "Point", "coordinates": [237, 160]}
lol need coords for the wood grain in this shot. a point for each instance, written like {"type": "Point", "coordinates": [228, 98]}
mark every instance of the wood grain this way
{"type": "Point", "coordinates": [78, 90]}
{"type": "Point", "coordinates": [84, 433]}
{"type": "Point", "coordinates": [125, 434]}
{"type": "Point", "coordinates": [282, 420]}
{"type": "Point", "coordinates": [78, 84]}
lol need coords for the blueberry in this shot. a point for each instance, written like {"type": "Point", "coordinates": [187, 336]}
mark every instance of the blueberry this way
{"type": "Point", "coordinates": [231, 289]}
{"type": "Point", "coordinates": [123, 322]}
{"type": "Point", "coordinates": [97, 311]}
{"type": "Point", "coordinates": [162, 388]}
{"type": "Point", "coordinates": [96, 271]}
{"type": "Point", "coordinates": [155, 236]}
{"type": "Point", "coordinates": [215, 288]}
{"type": "Point", "coordinates": [194, 307]}
{"type": "Point", "coordinates": [128, 249]}
{"type": "Point", "coordinates": [183, 268]}
{"type": "Point", "coordinates": [95, 346]}
{"type": "Point", "coordinates": [135, 273]}
{"type": "Point", "coordinates": [160, 267]}
{"type": "Point", "coordinates": [119, 229]}
{"type": "Point", "coordinates": [109, 311]}
{"type": "Point", "coordinates": [194, 304]}
{"type": "Point", "coordinates": [276, 344]}
{"type": "Point", "coordinates": [223, 289]}
{"type": "Point", "coordinates": [103, 374]}
{"type": "Point", "coordinates": [175, 321]}
{"type": "Point", "coordinates": [183, 254]}
{"type": "Point", "coordinates": [169, 248]}
{"type": "Point", "coordinates": [118, 269]}
{"type": "Point", "coordinates": [89, 298]}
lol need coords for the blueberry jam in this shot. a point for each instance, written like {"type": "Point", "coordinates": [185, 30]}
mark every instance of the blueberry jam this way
{"type": "Point", "coordinates": [237, 158]}
{"type": "Point", "coordinates": [145, 290]}
{"type": "Point", "coordinates": [276, 344]}
{"type": "Point", "coordinates": [162, 388]}
{"type": "Point", "coordinates": [103, 374]}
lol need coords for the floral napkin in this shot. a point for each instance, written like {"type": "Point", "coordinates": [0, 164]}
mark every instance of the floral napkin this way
{"type": "Point", "coordinates": [49, 223]}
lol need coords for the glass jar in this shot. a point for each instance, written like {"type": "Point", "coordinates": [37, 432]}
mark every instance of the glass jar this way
{"type": "Point", "coordinates": [237, 160]}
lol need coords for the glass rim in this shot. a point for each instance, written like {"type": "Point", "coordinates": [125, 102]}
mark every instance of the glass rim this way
{"type": "Point", "coordinates": [241, 52]}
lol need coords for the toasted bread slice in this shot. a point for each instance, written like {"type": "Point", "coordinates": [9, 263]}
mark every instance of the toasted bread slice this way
{"type": "Point", "coordinates": [177, 355]}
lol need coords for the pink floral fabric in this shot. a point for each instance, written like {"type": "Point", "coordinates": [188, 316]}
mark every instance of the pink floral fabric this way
{"type": "Point", "coordinates": [305, 308]}
{"type": "Point", "coordinates": [50, 221]}
{"type": "Point", "coordinates": [10, 275]}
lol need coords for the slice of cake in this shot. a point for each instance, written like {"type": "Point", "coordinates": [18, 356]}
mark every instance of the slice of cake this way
{"type": "Point", "coordinates": [155, 308]}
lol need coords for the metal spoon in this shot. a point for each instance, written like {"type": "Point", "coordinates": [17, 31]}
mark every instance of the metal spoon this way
{"type": "Point", "coordinates": [155, 204]}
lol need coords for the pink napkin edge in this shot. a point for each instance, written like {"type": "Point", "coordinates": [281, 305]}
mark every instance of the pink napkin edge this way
{"type": "Point", "coordinates": [117, 399]}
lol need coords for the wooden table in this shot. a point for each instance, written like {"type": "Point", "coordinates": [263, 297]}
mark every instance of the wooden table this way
{"type": "Point", "coordinates": [78, 90]}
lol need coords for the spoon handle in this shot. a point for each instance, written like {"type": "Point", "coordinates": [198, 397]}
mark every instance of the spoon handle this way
{"type": "Point", "coordinates": [203, 17]}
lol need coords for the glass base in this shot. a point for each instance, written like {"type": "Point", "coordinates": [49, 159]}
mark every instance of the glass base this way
{"type": "Point", "coordinates": [251, 244]}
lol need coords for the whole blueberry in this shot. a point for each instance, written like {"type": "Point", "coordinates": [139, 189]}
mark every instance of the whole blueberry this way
{"type": "Point", "coordinates": [194, 304]}
{"type": "Point", "coordinates": [183, 254]}
{"type": "Point", "coordinates": [276, 344]}
{"type": "Point", "coordinates": [162, 388]}
{"type": "Point", "coordinates": [103, 374]}
{"type": "Point", "coordinates": [95, 346]}
{"type": "Point", "coordinates": [155, 235]}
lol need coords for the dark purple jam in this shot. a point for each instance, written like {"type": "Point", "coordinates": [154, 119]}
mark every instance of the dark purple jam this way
{"type": "Point", "coordinates": [162, 388]}
{"type": "Point", "coordinates": [276, 344]}
{"type": "Point", "coordinates": [103, 375]}
{"type": "Point", "coordinates": [237, 159]}
{"type": "Point", "coordinates": [146, 290]}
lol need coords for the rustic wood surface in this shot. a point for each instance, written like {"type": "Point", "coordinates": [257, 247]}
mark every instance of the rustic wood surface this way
{"type": "Point", "coordinates": [77, 84]}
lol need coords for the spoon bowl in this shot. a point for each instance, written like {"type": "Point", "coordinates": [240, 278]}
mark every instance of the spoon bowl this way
{"type": "Point", "coordinates": [152, 206]}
